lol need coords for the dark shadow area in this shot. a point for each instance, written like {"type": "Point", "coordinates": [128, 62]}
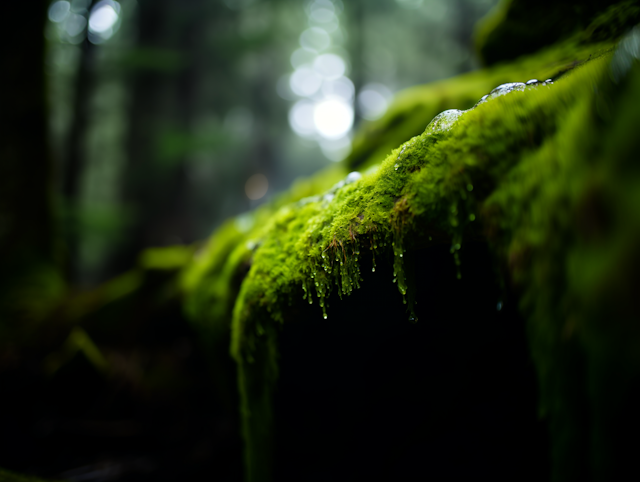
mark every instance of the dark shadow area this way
{"type": "Point", "coordinates": [366, 395]}
{"type": "Point", "coordinates": [157, 414]}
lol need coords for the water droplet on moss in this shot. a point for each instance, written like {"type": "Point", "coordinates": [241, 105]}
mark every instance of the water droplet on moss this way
{"type": "Point", "coordinates": [482, 100]}
{"type": "Point", "coordinates": [531, 82]}
{"type": "Point", "coordinates": [352, 177]}
{"type": "Point", "coordinates": [443, 121]}
{"type": "Point", "coordinates": [505, 89]}
{"type": "Point", "coordinates": [396, 165]}
{"type": "Point", "coordinates": [373, 270]}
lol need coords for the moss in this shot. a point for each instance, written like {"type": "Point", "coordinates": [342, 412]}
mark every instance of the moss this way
{"type": "Point", "coordinates": [411, 108]}
{"type": "Point", "coordinates": [429, 190]}
{"type": "Point", "coordinates": [566, 220]}
{"type": "Point", "coordinates": [546, 175]}
{"type": "Point", "coordinates": [212, 280]}
{"type": "Point", "coordinates": [518, 27]}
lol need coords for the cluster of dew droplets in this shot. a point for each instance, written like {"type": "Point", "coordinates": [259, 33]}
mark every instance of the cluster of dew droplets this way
{"type": "Point", "coordinates": [338, 264]}
{"type": "Point", "coordinates": [398, 266]}
{"type": "Point", "coordinates": [445, 120]}
{"type": "Point", "coordinates": [349, 269]}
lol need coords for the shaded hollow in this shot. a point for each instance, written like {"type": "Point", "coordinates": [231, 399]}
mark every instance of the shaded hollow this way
{"type": "Point", "coordinates": [366, 395]}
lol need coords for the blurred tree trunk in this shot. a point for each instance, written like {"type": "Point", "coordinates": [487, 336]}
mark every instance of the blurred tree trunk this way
{"type": "Point", "coordinates": [26, 227]}
{"type": "Point", "coordinates": [76, 161]}
{"type": "Point", "coordinates": [155, 188]}
{"type": "Point", "coordinates": [356, 50]}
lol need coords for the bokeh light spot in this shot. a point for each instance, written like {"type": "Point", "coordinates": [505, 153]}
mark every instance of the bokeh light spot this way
{"type": "Point", "coordinates": [301, 118]}
{"type": "Point", "coordinates": [329, 66]}
{"type": "Point", "coordinates": [373, 101]}
{"type": "Point", "coordinates": [102, 19]}
{"type": "Point", "coordinates": [333, 118]}
{"type": "Point", "coordinates": [58, 11]}
{"type": "Point", "coordinates": [256, 187]}
{"type": "Point", "coordinates": [75, 24]}
{"type": "Point", "coordinates": [305, 82]}
{"type": "Point", "coordinates": [315, 39]}
{"type": "Point", "coordinates": [341, 87]}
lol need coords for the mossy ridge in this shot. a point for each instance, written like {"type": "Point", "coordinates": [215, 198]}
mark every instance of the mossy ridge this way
{"type": "Point", "coordinates": [406, 115]}
{"type": "Point", "coordinates": [517, 27]}
{"type": "Point", "coordinates": [565, 219]}
{"type": "Point", "coordinates": [429, 190]}
{"type": "Point", "coordinates": [207, 279]}
{"type": "Point", "coordinates": [433, 182]}
{"type": "Point", "coordinates": [210, 283]}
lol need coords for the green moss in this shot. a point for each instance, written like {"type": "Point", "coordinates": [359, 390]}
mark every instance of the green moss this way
{"type": "Point", "coordinates": [565, 219]}
{"type": "Point", "coordinates": [429, 190]}
{"type": "Point", "coordinates": [517, 27]}
{"type": "Point", "coordinates": [413, 107]}
{"type": "Point", "coordinates": [211, 282]}
{"type": "Point", "coordinates": [546, 175]}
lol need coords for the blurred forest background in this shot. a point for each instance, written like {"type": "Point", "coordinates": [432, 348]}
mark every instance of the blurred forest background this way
{"type": "Point", "coordinates": [167, 117]}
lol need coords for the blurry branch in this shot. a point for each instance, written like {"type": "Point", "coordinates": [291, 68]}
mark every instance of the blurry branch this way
{"type": "Point", "coordinates": [77, 341]}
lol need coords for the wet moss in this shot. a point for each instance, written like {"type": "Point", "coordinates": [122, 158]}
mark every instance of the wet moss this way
{"type": "Point", "coordinates": [546, 175]}
{"type": "Point", "coordinates": [406, 116]}
{"type": "Point", "coordinates": [212, 280]}
{"type": "Point", "coordinates": [517, 27]}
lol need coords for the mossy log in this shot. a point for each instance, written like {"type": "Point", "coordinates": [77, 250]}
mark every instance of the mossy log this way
{"type": "Point", "coordinates": [523, 209]}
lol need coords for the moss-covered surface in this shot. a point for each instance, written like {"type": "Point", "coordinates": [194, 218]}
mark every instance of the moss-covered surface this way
{"type": "Point", "coordinates": [548, 176]}
{"type": "Point", "coordinates": [585, 36]}
{"type": "Point", "coordinates": [518, 27]}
